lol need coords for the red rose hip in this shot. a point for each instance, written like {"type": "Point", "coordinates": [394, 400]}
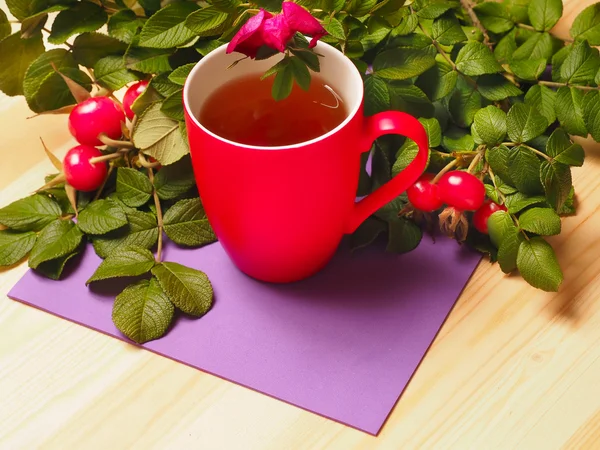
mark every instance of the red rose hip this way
{"type": "Point", "coordinates": [94, 116]}
{"type": "Point", "coordinates": [481, 216]}
{"type": "Point", "coordinates": [79, 172]}
{"type": "Point", "coordinates": [424, 195]}
{"type": "Point", "coordinates": [132, 93]}
{"type": "Point", "coordinates": [462, 190]}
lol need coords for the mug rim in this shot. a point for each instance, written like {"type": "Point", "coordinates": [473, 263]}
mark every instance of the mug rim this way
{"type": "Point", "coordinates": [351, 114]}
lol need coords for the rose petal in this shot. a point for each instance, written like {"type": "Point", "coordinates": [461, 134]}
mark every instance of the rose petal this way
{"type": "Point", "coordinates": [249, 39]}
{"type": "Point", "coordinates": [276, 33]}
{"type": "Point", "coordinates": [300, 20]}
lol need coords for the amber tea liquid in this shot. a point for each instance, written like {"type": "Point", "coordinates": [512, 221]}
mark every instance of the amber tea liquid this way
{"type": "Point", "coordinates": [244, 111]}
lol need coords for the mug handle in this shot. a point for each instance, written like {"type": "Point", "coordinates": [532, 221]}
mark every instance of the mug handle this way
{"type": "Point", "coordinates": [391, 122]}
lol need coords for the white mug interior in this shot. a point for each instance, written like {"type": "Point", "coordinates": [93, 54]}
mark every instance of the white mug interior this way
{"type": "Point", "coordinates": [212, 72]}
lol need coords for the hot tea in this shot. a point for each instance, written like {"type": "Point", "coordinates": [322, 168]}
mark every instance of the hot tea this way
{"type": "Point", "coordinates": [244, 111]}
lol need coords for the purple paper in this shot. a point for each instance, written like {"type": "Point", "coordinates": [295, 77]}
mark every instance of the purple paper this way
{"type": "Point", "coordinates": [342, 344]}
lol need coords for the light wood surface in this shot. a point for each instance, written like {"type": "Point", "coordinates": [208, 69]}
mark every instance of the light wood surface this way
{"type": "Point", "coordinates": [512, 368]}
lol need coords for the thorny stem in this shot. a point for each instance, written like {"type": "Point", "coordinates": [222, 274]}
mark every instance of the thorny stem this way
{"type": "Point", "coordinates": [448, 166]}
{"type": "Point", "coordinates": [159, 217]}
{"type": "Point", "coordinates": [468, 6]}
{"type": "Point", "coordinates": [101, 188]}
{"type": "Point", "coordinates": [555, 84]}
{"type": "Point", "coordinates": [534, 150]}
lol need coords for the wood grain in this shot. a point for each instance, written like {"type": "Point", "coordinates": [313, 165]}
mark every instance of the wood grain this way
{"type": "Point", "coordinates": [513, 368]}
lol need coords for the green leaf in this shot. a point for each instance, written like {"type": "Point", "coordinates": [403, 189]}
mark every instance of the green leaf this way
{"type": "Point", "coordinates": [166, 28]}
{"type": "Point", "coordinates": [538, 265]}
{"type": "Point", "coordinates": [30, 213]}
{"type": "Point", "coordinates": [174, 180]}
{"type": "Point", "coordinates": [127, 262]}
{"type": "Point", "coordinates": [188, 289]}
{"type": "Point", "coordinates": [366, 233]}
{"type": "Point", "coordinates": [148, 60]}
{"type": "Point", "coordinates": [284, 82]}
{"type": "Point", "coordinates": [23, 9]}
{"type": "Point", "coordinates": [57, 239]}
{"type": "Point", "coordinates": [464, 103]}
{"type": "Point", "coordinates": [509, 250]}
{"type": "Point", "coordinates": [406, 26]}
{"type": "Point", "coordinates": [206, 21]}
{"type": "Point", "coordinates": [300, 72]}
{"type": "Point", "coordinates": [476, 59]}
{"type": "Point", "coordinates": [447, 31]}
{"type": "Point", "coordinates": [524, 123]}
{"type": "Point", "coordinates": [172, 106]}
{"type": "Point", "coordinates": [158, 136]}
{"type": "Point", "coordinates": [439, 81]}
{"type": "Point", "coordinates": [133, 188]}
{"type": "Point", "coordinates": [403, 63]}
{"type": "Point", "coordinates": [497, 158]}
{"type": "Point", "coordinates": [140, 231]}
{"type": "Point", "coordinates": [410, 99]}
{"type": "Point", "coordinates": [496, 87]}
{"type": "Point", "coordinates": [53, 269]}
{"type": "Point", "coordinates": [586, 25]}
{"type": "Point", "coordinates": [494, 17]}
{"type": "Point", "coordinates": [558, 59]}
{"type": "Point", "coordinates": [557, 182]}
{"type": "Point", "coordinates": [537, 46]}
{"type": "Point", "coordinates": [524, 170]}
{"type": "Point", "coordinates": [405, 155]}
{"type": "Point", "coordinates": [569, 206]}
{"type": "Point", "coordinates": [506, 47]}
{"type": "Point", "coordinates": [543, 221]}
{"type": "Point", "coordinates": [434, 9]}
{"type": "Point", "coordinates": [434, 131]}
{"type": "Point", "coordinates": [581, 64]}
{"type": "Point", "coordinates": [528, 69]}
{"type": "Point", "coordinates": [334, 28]}
{"type": "Point", "coordinates": [562, 150]}
{"type": "Point", "coordinates": [5, 28]}
{"type": "Point", "coordinates": [518, 10]}
{"type": "Point", "coordinates": [102, 216]}
{"type": "Point", "coordinates": [519, 201]}
{"type": "Point", "coordinates": [499, 225]}
{"type": "Point", "coordinates": [111, 73]}
{"type": "Point", "coordinates": [569, 110]}
{"type": "Point", "coordinates": [14, 246]}
{"type": "Point", "coordinates": [543, 100]}
{"type": "Point", "coordinates": [147, 98]}
{"type": "Point", "coordinates": [143, 312]}
{"type": "Point", "coordinates": [490, 125]}
{"type": "Point", "coordinates": [404, 235]}
{"type": "Point", "coordinates": [544, 14]}
{"type": "Point", "coordinates": [310, 58]}
{"type": "Point", "coordinates": [456, 139]}
{"type": "Point", "coordinates": [17, 55]}
{"type": "Point", "coordinates": [377, 95]}
{"type": "Point", "coordinates": [79, 18]}
{"type": "Point", "coordinates": [124, 25]}
{"type": "Point", "coordinates": [591, 113]}
{"type": "Point", "coordinates": [179, 75]}
{"type": "Point", "coordinates": [163, 85]}
{"type": "Point", "coordinates": [186, 224]}
{"type": "Point", "coordinates": [89, 48]}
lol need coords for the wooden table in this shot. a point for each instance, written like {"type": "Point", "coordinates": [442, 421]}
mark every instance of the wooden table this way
{"type": "Point", "coordinates": [513, 367]}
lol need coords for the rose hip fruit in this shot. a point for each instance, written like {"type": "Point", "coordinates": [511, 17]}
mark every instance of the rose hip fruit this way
{"type": "Point", "coordinates": [94, 116]}
{"type": "Point", "coordinates": [423, 195]}
{"type": "Point", "coordinates": [79, 172]}
{"type": "Point", "coordinates": [461, 190]}
{"type": "Point", "coordinates": [134, 91]}
{"type": "Point", "coordinates": [481, 216]}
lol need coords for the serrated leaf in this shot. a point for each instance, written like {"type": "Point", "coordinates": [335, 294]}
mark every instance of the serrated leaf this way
{"type": "Point", "coordinates": [410, 99]}
{"type": "Point", "coordinates": [528, 69]}
{"type": "Point", "coordinates": [447, 31]}
{"type": "Point", "coordinates": [562, 150]}
{"type": "Point", "coordinates": [206, 21]}
{"type": "Point", "coordinates": [406, 26]}
{"type": "Point", "coordinates": [524, 170]}
{"type": "Point", "coordinates": [591, 113]}
{"type": "Point", "coordinates": [543, 221]}
{"type": "Point", "coordinates": [186, 224]}
{"type": "Point", "coordinates": [89, 48]}
{"type": "Point", "coordinates": [143, 312]}
{"type": "Point", "coordinates": [172, 106]}
{"type": "Point", "coordinates": [226, 5]}
{"type": "Point", "coordinates": [127, 262]}
{"type": "Point", "coordinates": [457, 139]}
{"type": "Point", "coordinates": [543, 14]}
{"type": "Point", "coordinates": [557, 60]}
{"type": "Point", "coordinates": [519, 201]}
{"type": "Point", "coordinates": [537, 46]}
{"type": "Point", "coordinates": [497, 158]}
{"type": "Point", "coordinates": [538, 265]}
{"type": "Point", "coordinates": [5, 28]}
{"type": "Point", "coordinates": [434, 131]}
{"type": "Point", "coordinates": [404, 156]}
{"type": "Point", "coordinates": [499, 225]}
{"type": "Point", "coordinates": [149, 6]}
{"type": "Point", "coordinates": [179, 75]}
{"type": "Point", "coordinates": [17, 55]}
{"type": "Point", "coordinates": [439, 81]}
{"type": "Point", "coordinates": [557, 182]}
{"type": "Point", "coordinates": [158, 136]}
{"type": "Point", "coordinates": [148, 60]}
{"type": "Point", "coordinates": [188, 289]}
{"type": "Point", "coordinates": [543, 100]}
{"type": "Point", "coordinates": [79, 18]}
{"type": "Point", "coordinates": [524, 123]}
{"type": "Point", "coordinates": [404, 235]}
{"type": "Point", "coordinates": [334, 28]}
{"type": "Point", "coordinates": [490, 125]}
{"type": "Point", "coordinates": [124, 25]}
{"type": "Point", "coordinates": [476, 58]}
{"type": "Point", "coordinates": [14, 246]}
{"type": "Point", "coordinates": [57, 239]}
{"type": "Point", "coordinates": [133, 188]}
{"type": "Point", "coordinates": [569, 110]}
{"type": "Point", "coordinates": [506, 47]}
{"type": "Point", "coordinates": [101, 216]}
{"type": "Point", "coordinates": [464, 103]}
{"type": "Point", "coordinates": [434, 9]}
{"type": "Point", "coordinates": [163, 85]}
{"type": "Point", "coordinates": [53, 269]}
{"type": "Point", "coordinates": [496, 87]}
{"type": "Point", "coordinates": [166, 28]}
{"type": "Point", "coordinates": [300, 72]}
{"type": "Point", "coordinates": [494, 17]}
{"type": "Point", "coordinates": [377, 95]}
{"type": "Point", "coordinates": [509, 250]}
{"type": "Point", "coordinates": [366, 233]}
{"type": "Point", "coordinates": [111, 73]}
{"type": "Point", "coordinates": [569, 206]}
{"type": "Point", "coordinates": [310, 58]}
{"type": "Point", "coordinates": [586, 25]}
{"type": "Point", "coordinates": [140, 231]}
{"type": "Point", "coordinates": [283, 83]}
{"type": "Point", "coordinates": [149, 97]}
{"type": "Point", "coordinates": [581, 64]}
{"type": "Point", "coordinates": [403, 63]}
{"type": "Point", "coordinates": [30, 213]}
{"type": "Point", "coordinates": [174, 180]}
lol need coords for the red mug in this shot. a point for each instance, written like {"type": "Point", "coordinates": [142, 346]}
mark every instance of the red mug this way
{"type": "Point", "coordinates": [281, 212]}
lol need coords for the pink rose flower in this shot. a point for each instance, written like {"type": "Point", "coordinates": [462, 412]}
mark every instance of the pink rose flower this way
{"type": "Point", "coordinates": [249, 38]}
{"type": "Point", "coordinates": [301, 21]}
{"type": "Point", "coordinates": [276, 32]}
